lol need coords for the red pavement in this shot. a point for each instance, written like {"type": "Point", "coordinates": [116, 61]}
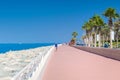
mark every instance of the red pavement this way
{"type": "Point", "coordinates": [68, 63]}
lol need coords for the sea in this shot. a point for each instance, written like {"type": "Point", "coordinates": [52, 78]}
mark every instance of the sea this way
{"type": "Point", "coordinates": [5, 47]}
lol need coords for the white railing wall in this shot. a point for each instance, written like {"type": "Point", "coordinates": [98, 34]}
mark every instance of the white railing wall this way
{"type": "Point", "coordinates": [34, 69]}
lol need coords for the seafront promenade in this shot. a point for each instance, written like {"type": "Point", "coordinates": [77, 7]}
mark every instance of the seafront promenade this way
{"type": "Point", "coordinates": [68, 63]}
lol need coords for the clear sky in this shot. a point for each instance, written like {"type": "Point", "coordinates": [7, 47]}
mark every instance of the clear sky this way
{"type": "Point", "coordinates": [38, 21]}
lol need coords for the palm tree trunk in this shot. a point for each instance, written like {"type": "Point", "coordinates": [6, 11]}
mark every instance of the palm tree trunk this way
{"type": "Point", "coordinates": [117, 41]}
{"type": "Point", "coordinates": [95, 40]}
{"type": "Point", "coordinates": [107, 38]}
{"type": "Point", "coordinates": [111, 46]}
{"type": "Point", "coordinates": [103, 39]}
{"type": "Point", "coordinates": [89, 40]}
{"type": "Point", "coordinates": [85, 41]}
{"type": "Point", "coordinates": [99, 39]}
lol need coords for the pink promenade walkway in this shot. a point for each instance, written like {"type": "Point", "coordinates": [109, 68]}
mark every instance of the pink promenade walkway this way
{"type": "Point", "coordinates": [68, 63]}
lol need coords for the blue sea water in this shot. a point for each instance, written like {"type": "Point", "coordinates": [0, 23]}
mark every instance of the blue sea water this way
{"type": "Point", "coordinates": [14, 46]}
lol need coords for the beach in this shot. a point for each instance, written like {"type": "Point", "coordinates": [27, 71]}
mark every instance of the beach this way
{"type": "Point", "coordinates": [13, 62]}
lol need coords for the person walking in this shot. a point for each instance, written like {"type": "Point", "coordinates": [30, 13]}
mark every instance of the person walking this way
{"type": "Point", "coordinates": [56, 46]}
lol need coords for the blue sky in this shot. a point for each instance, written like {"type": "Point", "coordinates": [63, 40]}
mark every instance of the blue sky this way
{"type": "Point", "coordinates": [39, 21]}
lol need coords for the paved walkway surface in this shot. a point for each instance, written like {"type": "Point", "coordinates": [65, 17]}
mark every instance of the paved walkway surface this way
{"type": "Point", "coordinates": [68, 63]}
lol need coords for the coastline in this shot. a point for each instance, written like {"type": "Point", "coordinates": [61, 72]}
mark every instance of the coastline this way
{"type": "Point", "coordinates": [13, 62]}
{"type": "Point", "coordinates": [7, 47]}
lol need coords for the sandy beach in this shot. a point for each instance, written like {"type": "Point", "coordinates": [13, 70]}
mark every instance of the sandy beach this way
{"type": "Point", "coordinates": [14, 61]}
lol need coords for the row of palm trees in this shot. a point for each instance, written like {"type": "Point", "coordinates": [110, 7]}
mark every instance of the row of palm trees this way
{"type": "Point", "coordinates": [96, 26]}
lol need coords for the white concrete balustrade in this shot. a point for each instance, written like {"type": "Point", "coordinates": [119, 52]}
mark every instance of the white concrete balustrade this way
{"type": "Point", "coordinates": [34, 69]}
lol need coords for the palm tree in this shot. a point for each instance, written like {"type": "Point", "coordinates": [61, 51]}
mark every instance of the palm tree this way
{"type": "Point", "coordinates": [100, 24]}
{"type": "Point", "coordinates": [91, 33]}
{"type": "Point", "coordinates": [118, 36]}
{"type": "Point", "coordinates": [111, 14]}
{"type": "Point", "coordinates": [84, 27]}
{"type": "Point", "coordinates": [87, 27]}
{"type": "Point", "coordinates": [93, 38]}
{"type": "Point", "coordinates": [84, 39]}
{"type": "Point", "coordinates": [94, 19]}
{"type": "Point", "coordinates": [74, 34]}
{"type": "Point", "coordinates": [105, 33]}
{"type": "Point", "coordinates": [116, 30]}
{"type": "Point", "coordinates": [97, 23]}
